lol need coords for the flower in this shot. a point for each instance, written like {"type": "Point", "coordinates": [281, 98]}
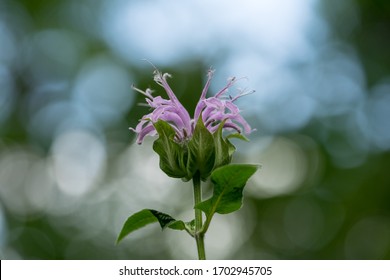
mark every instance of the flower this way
{"type": "Point", "coordinates": [213, 110]}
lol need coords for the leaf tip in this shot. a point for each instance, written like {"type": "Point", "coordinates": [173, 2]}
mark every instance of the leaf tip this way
{"type": "Point", "coordinates": [119, 239]}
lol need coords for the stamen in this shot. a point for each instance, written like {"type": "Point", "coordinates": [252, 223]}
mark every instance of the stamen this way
{"type": "Point", "coordinates": [231, 81]}
{"type": "Point", "coordinates": [166, 75]}
{"type": "Point", "coordinates": [243, 94]}
{"type": "Point", "coordinates": [213, 110]}
{"type": "Point", "coordinates": [147, 92]}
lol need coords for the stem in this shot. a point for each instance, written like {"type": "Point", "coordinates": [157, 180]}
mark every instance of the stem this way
{"type": "Point", "coordinates": [199, 234]}
{"type": "Point", "coordinates": [207, 223]}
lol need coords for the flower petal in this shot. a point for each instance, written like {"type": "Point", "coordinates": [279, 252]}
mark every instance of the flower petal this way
{"type": "Point", "coordinates": [147, 130]}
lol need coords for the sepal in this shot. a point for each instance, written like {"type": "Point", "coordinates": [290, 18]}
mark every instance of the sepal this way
{"type": "Point", "coordinates": [201, 152]}
{"type": "Point", "coordinates": [173, 156]}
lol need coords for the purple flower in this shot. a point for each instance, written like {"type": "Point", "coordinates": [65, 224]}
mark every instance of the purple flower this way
{"type": "Point", "coordinates": [213, 110]}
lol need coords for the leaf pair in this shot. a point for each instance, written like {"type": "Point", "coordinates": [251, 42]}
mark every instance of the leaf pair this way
{"type": "Point", "coordinates": [229, 182]}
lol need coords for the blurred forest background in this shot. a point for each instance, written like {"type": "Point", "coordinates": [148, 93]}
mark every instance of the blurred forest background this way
{"type": "Point", "coordinates": [70, 172]}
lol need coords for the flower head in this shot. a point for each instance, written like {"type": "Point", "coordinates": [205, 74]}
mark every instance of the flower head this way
{"type": "Point", "coordinates": [219, 108]}
{"type": "Point", "coordinates": [213, 110]}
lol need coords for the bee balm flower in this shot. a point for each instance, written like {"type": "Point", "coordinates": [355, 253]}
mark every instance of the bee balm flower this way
{"type": "Point", "coordinates": [213, 110]}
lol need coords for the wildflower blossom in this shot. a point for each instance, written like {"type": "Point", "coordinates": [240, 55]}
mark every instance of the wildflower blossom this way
{"type": "Point", "coordinates": [195, 149]}
{"type": "Point", "coordinates": [213, 110]}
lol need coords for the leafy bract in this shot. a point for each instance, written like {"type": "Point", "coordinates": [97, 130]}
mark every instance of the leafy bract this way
{"type": "Point", "coordinates": [172, 155]}
{"type": "Point", "coordinates": [223, 148]}
{"type": "Point", "coordinates": [201, 152]}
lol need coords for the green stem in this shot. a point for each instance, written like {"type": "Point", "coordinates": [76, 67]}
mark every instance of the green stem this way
{"type": "Point", "coordinates": [207, 222]}
{"type": "Point", "coordinates": [199, 234]}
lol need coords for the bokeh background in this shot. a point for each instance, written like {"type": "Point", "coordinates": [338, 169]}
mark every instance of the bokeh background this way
{"type": "Point", "coordinates": [70, 172]}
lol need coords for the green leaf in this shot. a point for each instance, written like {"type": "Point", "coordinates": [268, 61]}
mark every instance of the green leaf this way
{"type": "Point", "coordinates": [238, 135]}
{"type": "Point", "coordinates": [167, 221]}
{"type": "Point", "coordinates": [229, 182]}
{"type": "Point", "coordinates": [136, 221]}
{"type": "Point", "coordinates": [146, 217]}
{"type": "Point", "coordinates": [190, 227]}
{"type": "Point", "coordinates": [172, 155]}
{"type": "Point", "coordinates": [201, 152]}
{"type": "Point", "coordinates": [180, 225]}
{"type": "Point", "coordinates": [223, 148]}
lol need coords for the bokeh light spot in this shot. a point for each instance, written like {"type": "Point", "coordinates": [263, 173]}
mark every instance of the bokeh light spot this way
{"type": "Point", "coordinates": [284, 168]}
{"type": "Point", "coordinates": [369, 238]}
{"type": "Point", "coordinates": [103, 89]}
{"type": "Point", "coordinates": [78, 161]}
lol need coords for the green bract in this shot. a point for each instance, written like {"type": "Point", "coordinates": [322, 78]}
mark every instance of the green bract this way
{"type": "Point", "coordinates": [173, 156]}
{"type": "Point", "coordinates": [203, 153]}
